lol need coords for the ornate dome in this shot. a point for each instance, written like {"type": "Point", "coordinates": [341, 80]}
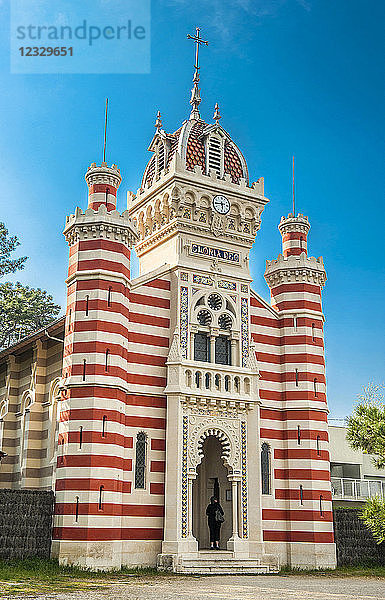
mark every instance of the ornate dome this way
{"type": "Point", "coordinates": [195, 143]}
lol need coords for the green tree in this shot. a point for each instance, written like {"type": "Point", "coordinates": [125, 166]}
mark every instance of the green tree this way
{"type": "Point", "coordinates": [366, 432]}
{"type": "Point", "coordinates": [23, 310]}
{"type": "Point", "coordinates": [7, 246]}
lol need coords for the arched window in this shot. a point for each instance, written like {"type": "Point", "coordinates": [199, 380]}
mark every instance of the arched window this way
{"type": "Point", "coordinates": [296, 377]}
{"type": "Point", "coordinates": [301, 494]}
{"type": "Point", "coordinates": [313, 331]}
{"type": "Point", "coordinates": [321, 509]}
{"type": "Point", "coordinates": [84, 369]}
{"type": "Point", "coordinates": [315, 386]}
{"type": "Point", "coordinates": [26, 404]}
{"type": "Point", "coordinates": [109, 296]}
{"type": "Point", "coordinates": [87, 305]}
{"type": "Point", "coordinates": [247, 385]}
{"type": "Point", "coordinates": [227, 383]}
{"type": "Point", "coordinates": [198, 379]}
{"type": "Point", "coordinates": [54, 419]}
{"type": "Point", "coordinates": [107, 192]}
{"type": "Point", "coordinates": [299, 434]}
{"type": "Point", "coordinates": [202, 347]}
{"type": "Point", "coordinates": [140, 460]}
{"type": "Point", "coordinates": [77, 509]}
{"type": "Point", "coordinates": [217, 381]}
{"type": "Point", "coordinates": [80, 437]}
{"type": "Point", "coordinates": [188, 378]}
{"type": "Point", "coordinates": [318, 446]}
{"type": "Point", "coordinates": [265, 468]}
{"type": "Point", "coordinates": [107, 360]}
{"type": "Point", "coordinates": [207, 381]}
{"type": "Point", "coordinates": [222, 350]}
{"type": "Point", "coordinates": [237, 384]}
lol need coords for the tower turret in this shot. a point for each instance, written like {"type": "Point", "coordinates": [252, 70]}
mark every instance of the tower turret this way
{"type": "Point", "coordinates": [294, 230]}
{"type": "Point", "coordinates": [103, 183]}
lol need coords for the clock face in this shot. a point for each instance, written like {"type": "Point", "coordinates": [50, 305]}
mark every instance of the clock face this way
{"type": "Point", "coordinates": [221, 204]}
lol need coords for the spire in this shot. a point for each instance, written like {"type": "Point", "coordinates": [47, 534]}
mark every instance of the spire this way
{"type": "Point", "coordinates": [195, 92]}
{"type": "Point", "coordinates": [216, 115]}
{"type": "Point", "coordinates": [158, 122]}
{"type": "Point", "coordinates": [105, 132]}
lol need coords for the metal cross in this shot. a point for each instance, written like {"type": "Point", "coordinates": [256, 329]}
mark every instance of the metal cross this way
{"type": "Point", "coordinates": [198, 40]}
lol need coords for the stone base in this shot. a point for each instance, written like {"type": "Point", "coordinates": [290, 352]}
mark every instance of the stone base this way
{"type": "Point", "coordinates": [105, 556]}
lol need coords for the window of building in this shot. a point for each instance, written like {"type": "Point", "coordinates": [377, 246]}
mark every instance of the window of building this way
{"type": "Point", "coordinates": [227, 383]}
{"type": "Point", "coordinates": [299, 434]}
{"type": "Point", "coordinates": [202, 347]}
{"type": "Point", "coordinates": [225, 322]}
{"type": "Point", "coordinates": [296, 377]}
{"type": "Point", "coordinates": [77, 509]}
{"type": "Point", "coordinates": [313, 332]}
{"type": "Point", "coordinates": [204, 318]}
{"type": "Point", "coordinates": [104, 426]}
{"type": "Point", "coordinates": [140, 460]}
{"type": "Point", "coordinates": [87, 305]}
{"type": "Point", "coordinates": [215, 155]}
{"type": "Point", "coordinates": [315, 386]}
{"type": "Point", "coordinates": [222, 350]}
{"type": "Point", "coordinates": [84, 369]}
{"type": "Point", "coordinates": [198, 379]}
{"type": "Point", "coordinates": [160, 157]}
{"type": "Point", "coordinates": [109, 296]}
{"type": "Point", "coordinates": [318, 446]}
{"type": "Point", "coordinates": [100, 503]}
{"type": "Point", "coordinates": [301, 494]}
{"type": "Point", "coordinates": [107, 360]}
{"type": "Point", "coordinates": [207, 381]}
{"type": "Point", "coordinates": [80, 437]}
{"type": "Point", "coordinates": [265, 468]}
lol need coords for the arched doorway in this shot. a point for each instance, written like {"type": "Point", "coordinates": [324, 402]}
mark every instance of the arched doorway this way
{"type": "Point", "coordinates": [211, 480]}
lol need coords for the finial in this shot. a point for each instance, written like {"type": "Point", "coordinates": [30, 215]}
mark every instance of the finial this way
{"type": "Point", "coordinates": [293, 190]}
{"type": "Point", "coordinates": [217, 115]}
{"type": "Point", "coordinates": [195, 92]}
{"type": "Point", "coordinates": [158, 122]}
{"type": "Point", "coordinates": [105, 132]}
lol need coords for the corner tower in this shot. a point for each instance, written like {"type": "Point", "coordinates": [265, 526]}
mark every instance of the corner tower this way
{"type": "Point", "coordinates": [92, 463]}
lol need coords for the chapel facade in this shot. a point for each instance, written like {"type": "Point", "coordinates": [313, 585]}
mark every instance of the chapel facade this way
{"type": "Point", "coordinates": [155, 393]}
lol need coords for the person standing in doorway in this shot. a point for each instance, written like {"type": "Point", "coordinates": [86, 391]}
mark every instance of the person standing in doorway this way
{"type": "Point", "coordinates": [215, 517]}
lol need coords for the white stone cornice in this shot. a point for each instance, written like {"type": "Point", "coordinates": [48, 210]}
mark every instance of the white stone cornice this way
{"type": "Point", "coordinates": [295, 268]}
{"type": "Point", "coordinates": [100, 223]}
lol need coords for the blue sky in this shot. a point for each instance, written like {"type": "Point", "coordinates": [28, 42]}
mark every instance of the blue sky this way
{"type": "Point", "coordinates": [302, 77]}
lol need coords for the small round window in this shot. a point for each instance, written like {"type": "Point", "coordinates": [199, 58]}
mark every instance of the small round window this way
{"type": "Point", "coordinates": [225, 322]}
{"type": "Point", "coordinates": [215, 301]}
{"type": "Point", "coordinates": [204, 317]}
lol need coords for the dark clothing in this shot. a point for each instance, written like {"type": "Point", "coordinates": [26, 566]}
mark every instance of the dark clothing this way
{"type": "Point", "coordinates": [214, 525]}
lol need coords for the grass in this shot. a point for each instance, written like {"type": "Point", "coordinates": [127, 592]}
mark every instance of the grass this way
{"type": "Point", "coordinates": [361, 571]}
{"type": "Point", "coordinates": [37, 576]}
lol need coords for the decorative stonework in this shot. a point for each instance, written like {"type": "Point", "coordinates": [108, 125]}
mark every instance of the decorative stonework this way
{"type": "Point", "coordinates": [202, 279]}
{"type": "Point", "coordinates": [227, 285]}
{"type": "Point", "coordinates": [183, 321]}
{"type": "Point", "coordinates": [184, 276]}
{"type": "Point", "coordinates": [244, 479]}
{"type": "Point", "coordinates": [245, 330]}
{"type": "Point", "coordinates": [244, 288]}
{"type": "Point", "coordinates": [290, 269]}
{"type": "Point", "coordinates": [184, 477]}
{"type": "Point", "coordinates": [226, 430]}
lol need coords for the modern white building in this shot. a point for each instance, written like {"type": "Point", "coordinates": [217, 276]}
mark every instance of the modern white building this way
{"type": "Point", "coordinates": [353, 475]}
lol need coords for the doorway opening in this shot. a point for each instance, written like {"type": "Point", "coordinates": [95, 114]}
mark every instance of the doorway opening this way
{"type": "Point", "coordinates": [211, 481]}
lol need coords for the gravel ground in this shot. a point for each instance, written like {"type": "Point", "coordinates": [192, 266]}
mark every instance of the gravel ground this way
{"type": "Point", "coordinates": [233, 588]}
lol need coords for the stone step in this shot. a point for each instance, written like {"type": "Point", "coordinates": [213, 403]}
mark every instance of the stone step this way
{"type": "Point", "coordinates": [222, 563]}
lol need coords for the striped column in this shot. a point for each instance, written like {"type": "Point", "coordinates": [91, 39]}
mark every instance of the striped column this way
{"type": "Point", "coordinates": [92, 463]}
{"type": "Point", "coordinates": [294, 230]}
